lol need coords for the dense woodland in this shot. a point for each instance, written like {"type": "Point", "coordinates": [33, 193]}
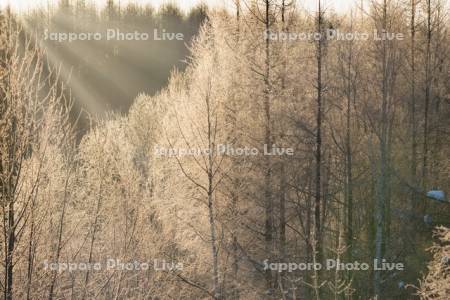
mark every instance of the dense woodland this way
{"type": "Point", "coordinates": [108, 74]}
{"type": "Point", "coordinates": [368, 122]}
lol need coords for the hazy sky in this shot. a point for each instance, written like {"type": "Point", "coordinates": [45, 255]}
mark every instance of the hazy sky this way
{"type": "Point", "coordinates": [339, 5]}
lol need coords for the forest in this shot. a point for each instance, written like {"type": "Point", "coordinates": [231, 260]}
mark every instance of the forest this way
{"type": "Point", "coordinates": [273, 152]}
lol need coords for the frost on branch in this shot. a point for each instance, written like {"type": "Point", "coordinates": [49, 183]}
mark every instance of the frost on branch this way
{"type": "Point", "coordinates": [436, 284]}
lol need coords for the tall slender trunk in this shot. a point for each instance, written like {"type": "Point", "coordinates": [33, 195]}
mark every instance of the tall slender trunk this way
{"type": "Point", "coordinates": [282, 194]}
{"type": "Point", "coordinates": [216, 291]}
{"type": "Point", "coordinates": [349, 175]}
{"type": "Point", "coordinates": [318, 250]}
{"type": "Point", "coordinates": [268, 162]}
{"type": "Point", "coordinates": [8, 191]}
{"type": "Point", "coordinates": [60, 234]}
{"type": "Point", "coordinates": [413, 108]}
{"type": "Point", "coordinates": [10, 251]}
{"type": "Point", "coordinates": [318, 151]}
{"type": "Point", "coordinates": [371, 209]}
{"type": "Point", "coordinates": [308, 229]}
{"type": "Point", "coordinates": [235, 265]}
{"type": "Point", "coordinates": [282, 222]}
{"type": "Point", "coordinates": [381, 184]}
{"type": "Point", "coordinates": [31, 250]}
{"type": "Point", "coordinates": [349, 183]}
{"type": "Point", "coordinates": [427, 96]}
{"type": "Point", "coordinates": [212, 225]}
{"type": "Point", "coordinates": [348, 155]}
{"type": "Point", "coordinates": [13, 170]}
{"type": "Point", "coordinates": [93, 236]}
{"type": "Point", "coordinates": [235, 181]}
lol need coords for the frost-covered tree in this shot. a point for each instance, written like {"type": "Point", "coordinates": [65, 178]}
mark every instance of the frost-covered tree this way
{"type": "Point", "coordinates": [435, 284]}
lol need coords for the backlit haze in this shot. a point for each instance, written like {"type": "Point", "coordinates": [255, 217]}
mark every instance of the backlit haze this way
{"type": "Point", "coordinates": [24, 5]}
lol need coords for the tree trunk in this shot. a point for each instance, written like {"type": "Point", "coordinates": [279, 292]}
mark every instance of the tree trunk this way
{"type": "Point", "coordinates": [268, 163]}
{"type": "Point", "coordinates": [10, 251]}
{"type": "Point", "coordinates": [212, 225]}
{"type": "Point", "coordinates": [427, 96]}
{"type": "Point", "coordinates": [348, 164]}
{"type": "Point", "coordinates": [31, 250]}
{"type": "Point", "coordinates": [318, 151]}
{"type": "Point", "coordinates": [381, 184]}
{"type": "Point", "coordinates": [413, 107]}
{"type": "Point", "coordinates": [93, 236]}
{"type": "Point", "coordinates": [60, 234]}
